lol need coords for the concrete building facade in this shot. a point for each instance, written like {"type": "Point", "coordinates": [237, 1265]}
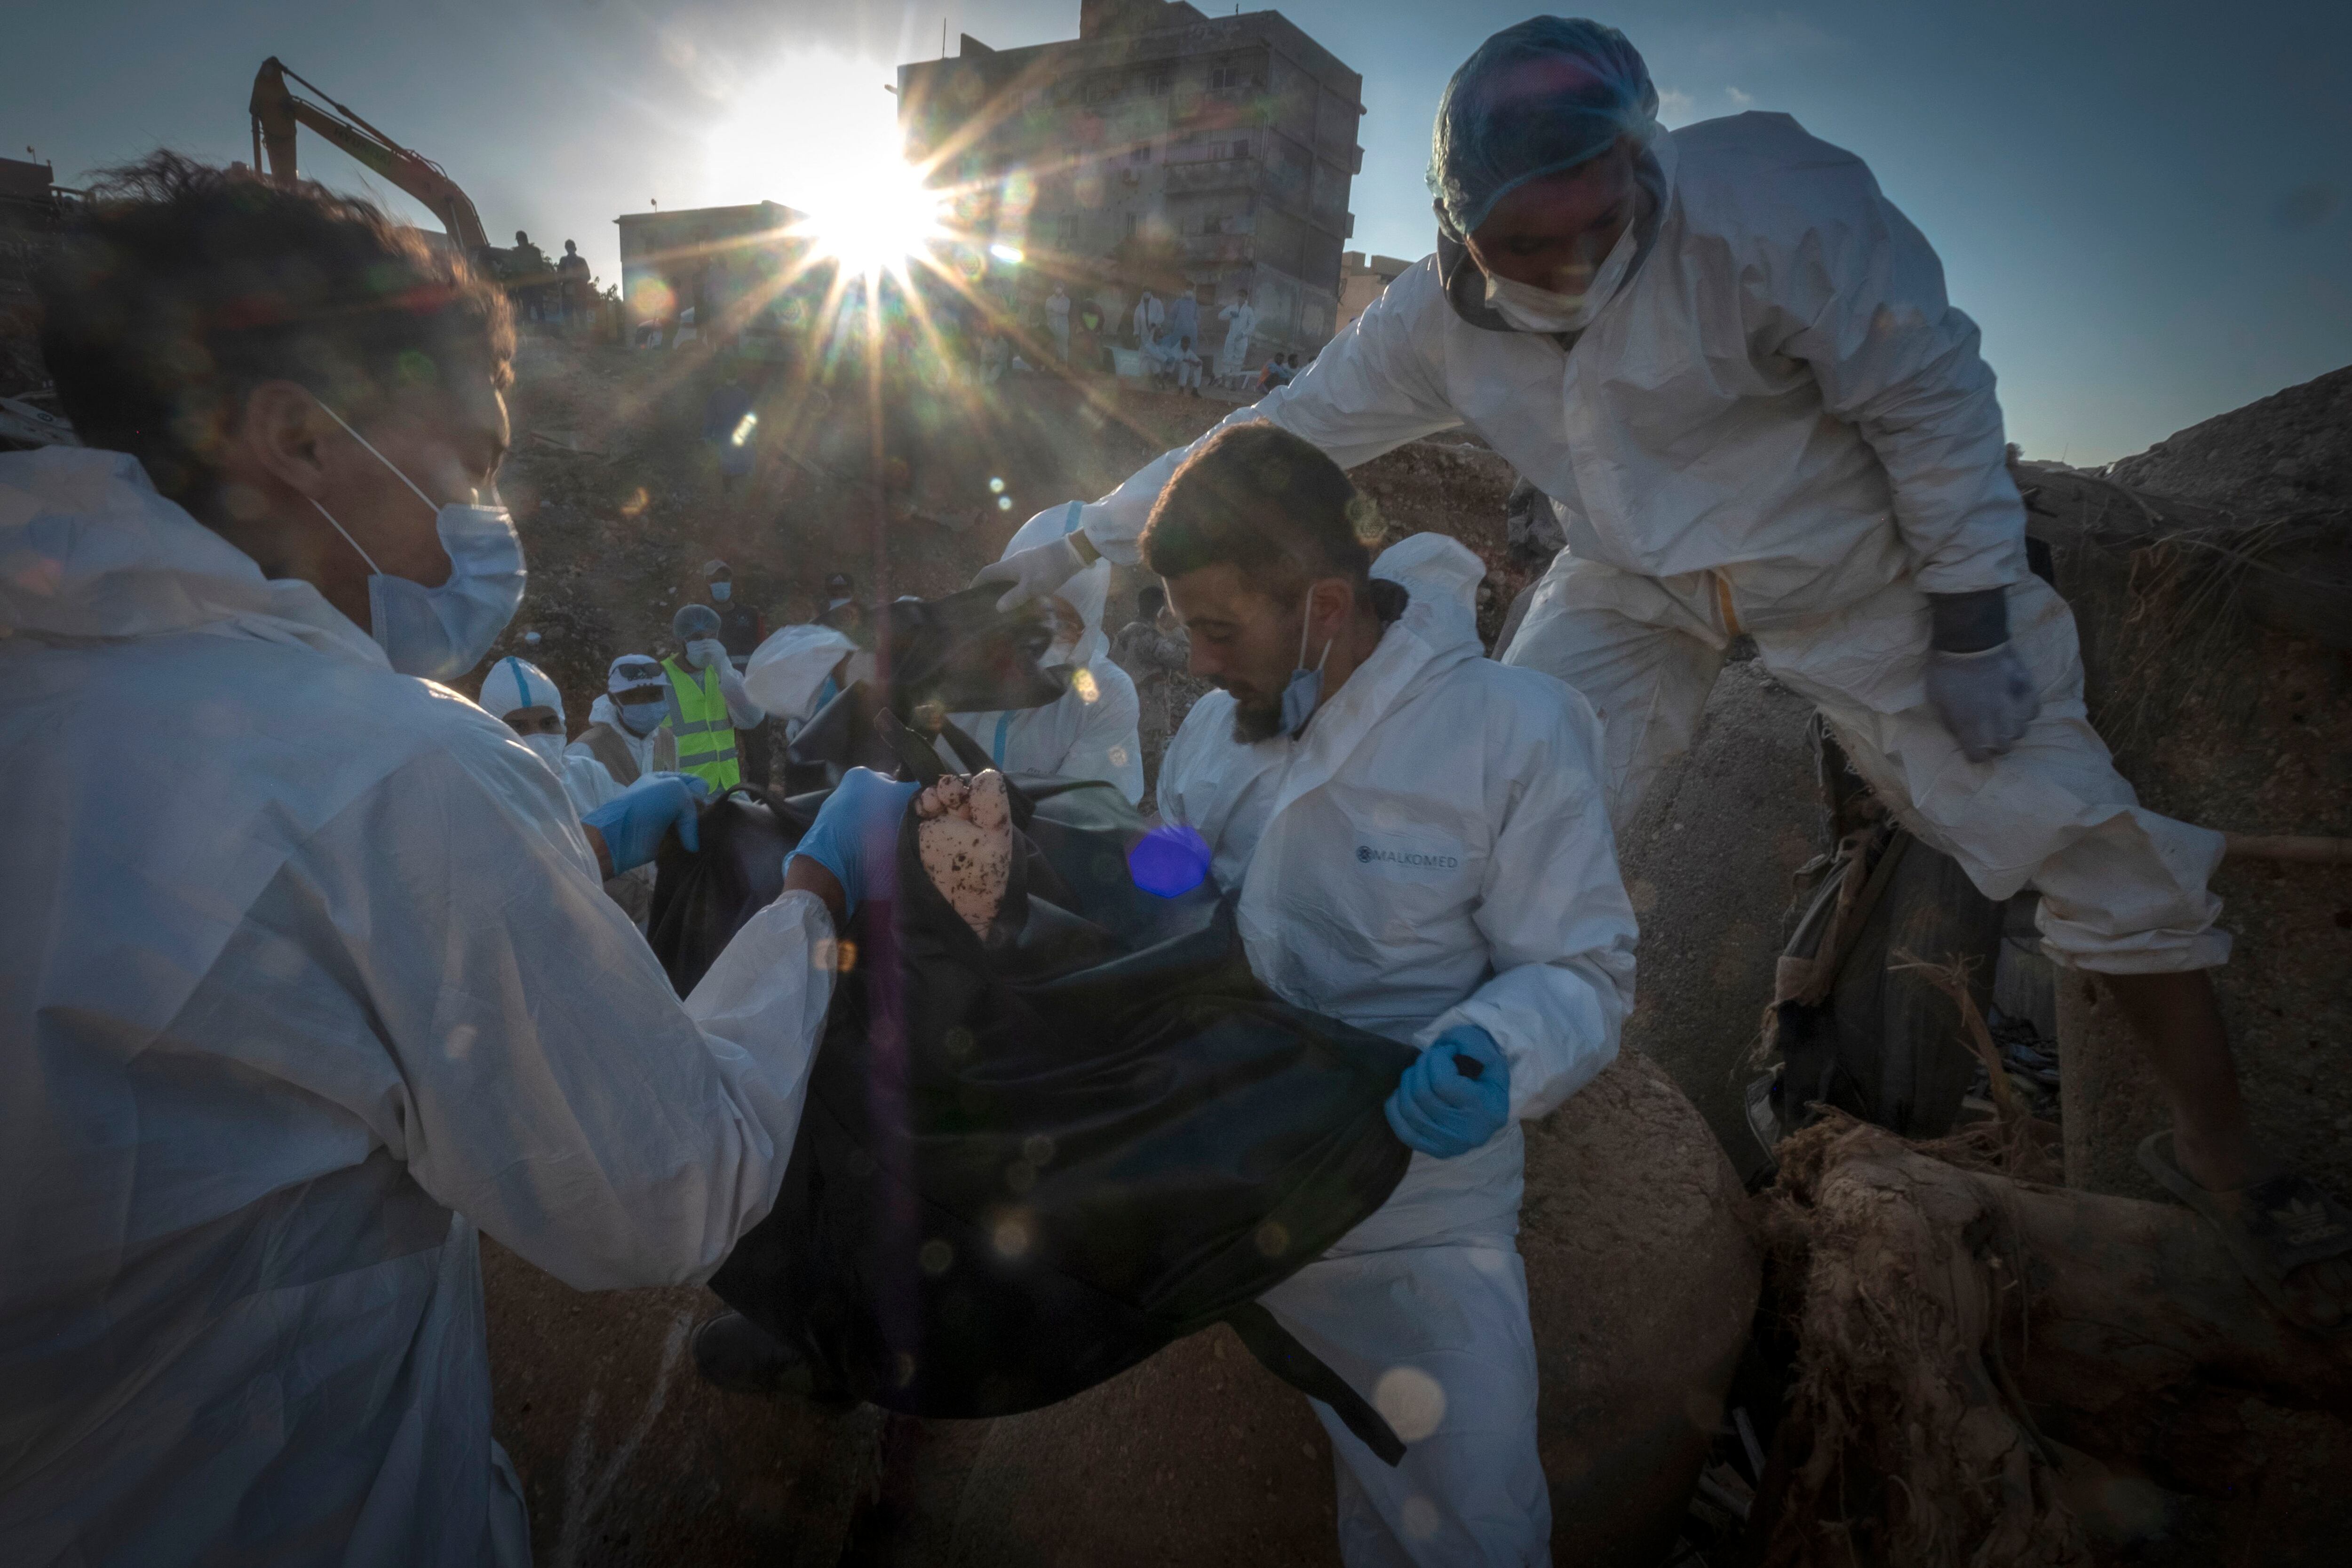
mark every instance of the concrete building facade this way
{"type": "Point", "coordinates": [722, 263]}
{"type": "Point", "coordinates": [1161, 148]}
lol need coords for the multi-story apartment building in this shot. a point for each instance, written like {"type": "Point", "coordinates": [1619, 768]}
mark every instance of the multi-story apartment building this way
{"type": "Point", "coordinates": [1160, 139]}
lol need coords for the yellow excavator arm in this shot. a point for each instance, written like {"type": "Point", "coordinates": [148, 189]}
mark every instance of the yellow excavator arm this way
{"type": "Point", "coordinates": [276, 113]}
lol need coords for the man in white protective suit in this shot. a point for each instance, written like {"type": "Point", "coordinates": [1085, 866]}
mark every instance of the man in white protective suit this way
{"type": "Point", "coordinates": [305, 973]}
{"type": "Point", "coordinates": [1094, 730]}
{"type": "Point", "coordinates": [520, 694]}
{"type": "Point", "coordinates": [1729, 361]}
{"type": "Point", "coordinates": [1419, 844]}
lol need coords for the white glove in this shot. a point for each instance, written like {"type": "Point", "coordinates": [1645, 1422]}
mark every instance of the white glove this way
{"type": "Point", "coordinates": [1986, 699]}
{"type": "Point", "coordinates": [1035, 572]}
{"type": "Point", "coordinates": [704, 652]}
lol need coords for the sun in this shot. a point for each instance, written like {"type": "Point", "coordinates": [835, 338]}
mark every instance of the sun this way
{"type": "Point", "coordinates": [889, 217]}
{"type": "Point", "coordinates": [815, 130]}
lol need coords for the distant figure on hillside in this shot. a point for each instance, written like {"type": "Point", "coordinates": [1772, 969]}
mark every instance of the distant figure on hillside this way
{"type": "Point", "coordinates": [1058, 321]}
{"type": "Point", "coordinates": [1185, 316]}
{"type": "Point", "coordinates": [1241, 324]}
{"type": "Point", "coordinates": [1188, 366]}
{"type": "Point", "coordinates": [527, 264]}
{"type": "Point", "coordinates": [573, 287]}
{"type": "Point", "coordinates": [1150, 648]}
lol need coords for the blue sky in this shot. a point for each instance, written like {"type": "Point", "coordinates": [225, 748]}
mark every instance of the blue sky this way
{"type": "Point", "coordinates": [2147, 207]}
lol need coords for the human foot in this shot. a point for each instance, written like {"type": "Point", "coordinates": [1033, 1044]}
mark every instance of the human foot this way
{"type": "Point", "coordinates": [963, 830]}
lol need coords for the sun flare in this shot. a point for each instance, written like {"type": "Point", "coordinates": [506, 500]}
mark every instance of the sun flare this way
{"type": "Point", "coordinates": [815, 132]}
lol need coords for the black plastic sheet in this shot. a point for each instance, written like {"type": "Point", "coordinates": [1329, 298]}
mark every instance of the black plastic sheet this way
{"type": "Point", "coordinates": [1029, 1161]}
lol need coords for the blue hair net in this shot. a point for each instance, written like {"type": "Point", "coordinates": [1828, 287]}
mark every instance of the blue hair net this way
{"type": "Point", "coordinates": [1537, 99]}
{"type": "Point", "coordinates": [693, 622]}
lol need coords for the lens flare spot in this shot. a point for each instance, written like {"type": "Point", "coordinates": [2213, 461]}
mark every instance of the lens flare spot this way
{"type": "Point", "coordinates": [996, 485]}
{"type": "Point", "coordinates": [1004, 504]}
{"type": "Point", "coordinates": [1011, 255]}
{"type": "Point", "coordinates": [1411, 1400]}
{"type": "Point", "coordinates": [1082, 681]}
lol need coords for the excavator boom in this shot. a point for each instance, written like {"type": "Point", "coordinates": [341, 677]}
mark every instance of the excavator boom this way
{"type": "Point", "coordinates": [277, 111]}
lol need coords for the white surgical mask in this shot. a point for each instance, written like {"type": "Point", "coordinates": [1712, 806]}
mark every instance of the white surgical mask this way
{"type": "Point", "coordinates": [438, 634]}
{"type": "Point", "coordinates": [549, 747]}
{"type": "Point", "coordinates": [1532, 309]}
{"type": "Point", "coordinates": [1304, 693]}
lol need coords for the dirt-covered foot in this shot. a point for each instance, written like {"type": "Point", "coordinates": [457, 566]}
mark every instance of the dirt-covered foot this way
{"type": "Point", "coordinates": [964, 829]}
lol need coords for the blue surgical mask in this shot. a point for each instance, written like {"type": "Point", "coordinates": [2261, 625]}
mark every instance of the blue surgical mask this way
{"type": "Point", "coordinates": [438, 634]}
{"type": "Point", "coordinates": [719, 590]}
{"type": "Point", "coordinates": [1304, 694]}
{"type": "Point", "coordinates": [642, 718]}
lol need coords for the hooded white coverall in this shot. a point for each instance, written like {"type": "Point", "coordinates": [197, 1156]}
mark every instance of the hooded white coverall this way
{"type": "Point", "coordinates": [1092, 730]}
{"type": "Point", "coordinates": [1777, 425]}
{"type": "Point", "coordinates": [513, 684]}
{"type": "Point", "coordinates": [305, 975]}
{"type": "Point", "coordinates": [1434, 851]}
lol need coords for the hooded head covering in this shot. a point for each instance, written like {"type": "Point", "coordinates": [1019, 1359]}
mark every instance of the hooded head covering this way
{"type": "Point", "coordinates": [1086, 593]}
{"type": "Point", "coordinates": [512, 684]}
{"type": "Point", "coordinates": [1537, 99]}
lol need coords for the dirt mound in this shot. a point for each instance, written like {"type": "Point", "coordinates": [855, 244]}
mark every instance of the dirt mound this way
{"type": "Point", "coordinates": [2290, 452]}
{"type": "Point", "coordinates": [629, 1460]}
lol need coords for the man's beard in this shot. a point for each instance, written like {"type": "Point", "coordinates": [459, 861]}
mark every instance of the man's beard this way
{"type": "Point", "coordinates": [1257, 720]}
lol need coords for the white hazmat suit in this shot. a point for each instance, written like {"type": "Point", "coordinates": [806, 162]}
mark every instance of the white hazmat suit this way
{"type": "Point", "coordinates": [1092, 730]}
{"type": "Point", "coordinates": [513, 684]}
{"type": "Point", "coordinates": [1777, 425]}
{"type": "Point", "coordinates": [1434, 851]}
{"type": "Point", "coordinates": [307, 975]}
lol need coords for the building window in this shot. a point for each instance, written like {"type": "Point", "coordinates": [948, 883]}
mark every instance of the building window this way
{"type": "Point", "coordinates": [1134, 221]}
{"type": "Point", "coordinates": [1101, 87]}
{"type": "Point", "coordinates": [1224, 77]}
{"type": "Point", "coordinates": [1142, 155]}
{"type": "Point", "coordinates": [1157, 82]}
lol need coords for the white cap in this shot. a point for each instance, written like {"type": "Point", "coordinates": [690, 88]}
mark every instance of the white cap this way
{"type": "Point", "coordinates": [512, 684]}
{"type": "Point", "coordinates": [643, 672]}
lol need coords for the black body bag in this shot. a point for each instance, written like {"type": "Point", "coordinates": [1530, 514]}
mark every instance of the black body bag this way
{"type": "Point", "coordinates": [1030, 1161]}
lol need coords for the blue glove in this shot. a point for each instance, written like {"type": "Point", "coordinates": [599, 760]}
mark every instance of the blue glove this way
{"type": "Point", "coordinates": [1439, 1108]}
{"type": "Point", "coordinates": [632, 823]}
{"type": "Point", "coordinates": [856, 836]}
{"type": "Point", "coordinates": [695, 782]}
{"type": "Point", "coordinates": [1985, 698]}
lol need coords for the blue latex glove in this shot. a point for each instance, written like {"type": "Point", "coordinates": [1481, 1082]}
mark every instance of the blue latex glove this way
{"type": "Point", "coordinates": [632, 823]}
{"type": "Point", "coordinates": [1439, 1109]}
{"type": "Point", "coordinates": [856, 835]}
{"type": "Point", "coordinates": [1985, 698]}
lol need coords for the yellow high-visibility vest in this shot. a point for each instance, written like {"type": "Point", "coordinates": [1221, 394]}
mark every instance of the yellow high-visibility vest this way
{"type": "Point", "coordinates": [706, 731]}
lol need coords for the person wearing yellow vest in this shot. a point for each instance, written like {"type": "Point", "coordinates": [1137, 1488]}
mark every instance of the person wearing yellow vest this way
{"type": "Point", "coordinates": [708, 702]}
